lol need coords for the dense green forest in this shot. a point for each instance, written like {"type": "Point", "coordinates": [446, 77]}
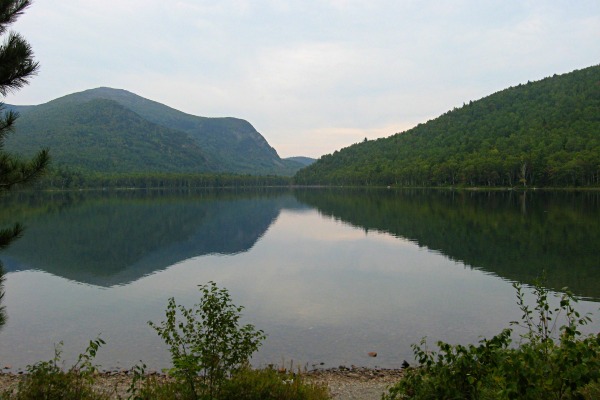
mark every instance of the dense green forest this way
{"type": "Point", "coordinates": [544, 133]}
{"type": "Point", "coordinates": [66, 178]}
{"type": "Point", "coordinates": [112, 131]}
{"type": "Point", "coordinates": [101, 135]}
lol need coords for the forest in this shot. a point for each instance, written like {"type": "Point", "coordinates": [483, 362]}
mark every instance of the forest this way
{"type": "Point", "coordinates": [69, 178]}
{"type": "Point", "coordinates": [539, 134]}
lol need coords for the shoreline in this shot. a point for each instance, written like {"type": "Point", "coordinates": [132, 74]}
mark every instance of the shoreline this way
{"type": "Point", "coordinates": [344, 383]}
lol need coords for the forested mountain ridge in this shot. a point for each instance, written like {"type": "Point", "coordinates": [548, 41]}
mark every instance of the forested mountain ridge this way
{"type": "Point", "coordinates": [101, 135]}
{"type": "Point", "coordinates": [544, 133]}
{"type": "Point", "coordinates": [113, 130]}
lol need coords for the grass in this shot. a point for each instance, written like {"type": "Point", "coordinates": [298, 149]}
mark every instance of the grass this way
{"type": "Point", "coordinates": [246, 384]}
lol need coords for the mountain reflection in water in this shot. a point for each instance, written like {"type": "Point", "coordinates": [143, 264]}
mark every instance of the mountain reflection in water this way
{"type": "Point", "coordinates": [108, 239]}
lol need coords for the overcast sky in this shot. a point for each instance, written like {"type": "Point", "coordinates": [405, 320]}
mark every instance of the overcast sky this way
{"type": "Point", "coordinates": [311, 76]}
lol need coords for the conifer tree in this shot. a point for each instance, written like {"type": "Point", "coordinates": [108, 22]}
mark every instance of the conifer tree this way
{"type": "Point", "coordinates": [16, 67]}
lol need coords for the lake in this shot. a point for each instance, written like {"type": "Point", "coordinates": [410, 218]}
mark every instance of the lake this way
{"type": "Point", "coordinates": [329, 275]}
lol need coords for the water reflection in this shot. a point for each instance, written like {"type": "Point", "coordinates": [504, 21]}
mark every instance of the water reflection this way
{"type": "Point", "coordinates": [514, 235]}
{"type": "Point", "coordinates": [329, 275]}
{"type": "Point", "coordinates": [108, 239]}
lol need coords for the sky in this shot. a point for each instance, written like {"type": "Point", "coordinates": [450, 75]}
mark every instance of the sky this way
{"type": "Point", "coordinates": [311, 76]}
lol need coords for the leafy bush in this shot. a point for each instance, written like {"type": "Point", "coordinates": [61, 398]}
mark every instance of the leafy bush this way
{"type": "Point", "coordinates": [550, 362]}
{"type": "Point", "coordinates": [268, 384]}
{"type": "Point", "coordinates": [47, 380]}
{"type": "Point", "coordinates": [244, 384]}
{"type": "Point", "coordinates": [154, 389]}
{"type": "Point", "coordinates": [591, 391]}
{"type": "Point", "coordinates": [207, 344]}
{"type": "Point", "coordinates": [210, 354]}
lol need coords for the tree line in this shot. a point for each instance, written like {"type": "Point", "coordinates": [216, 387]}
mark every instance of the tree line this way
{"type": "Point", "coordinates": [66, 178]}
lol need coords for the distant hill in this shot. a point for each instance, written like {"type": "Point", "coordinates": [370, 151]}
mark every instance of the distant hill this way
{"type": "Point", "coordinates": [544, 133]}
{"type": "Point", "coordinates": [114, 131]}
{"type": "Point", "coordinates": [304, 161]}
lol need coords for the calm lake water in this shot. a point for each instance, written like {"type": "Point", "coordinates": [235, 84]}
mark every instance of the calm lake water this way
{"type": "Point", "coordinates": [329, 275]}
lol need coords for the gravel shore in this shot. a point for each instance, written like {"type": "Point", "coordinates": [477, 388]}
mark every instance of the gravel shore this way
{"type": "Point", "coordinates": [355, 383]}
{"type": "Point", "coordinates": [343, 383]}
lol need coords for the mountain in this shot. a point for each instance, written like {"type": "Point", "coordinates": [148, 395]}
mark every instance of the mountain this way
{"type": "Point", "coordinates": [304, 161]}
{"type": "Point", "coordinates": [113, 130]}
{"type": "Point", "coordinates": [101, 135]}
{"type": "Point", "coordinates": [544, 133]}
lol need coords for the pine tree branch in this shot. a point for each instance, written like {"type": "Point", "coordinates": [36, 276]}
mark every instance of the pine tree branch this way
{"type": "Point", "coordinates": [7, 121]}
{"type": "Point", "coordinates": [10, 10]}
{"type": "Point", "coordinates": [16, 63]}
{"type": "Point", "coordinates": [14, 172]}
{"type": "Point", "coordinates": [7, 235]}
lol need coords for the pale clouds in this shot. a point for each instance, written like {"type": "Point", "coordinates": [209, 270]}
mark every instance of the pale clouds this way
{"type": "Point", "coordinates": [311, 76]}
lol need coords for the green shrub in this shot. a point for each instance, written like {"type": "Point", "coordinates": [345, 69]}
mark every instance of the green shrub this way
{"type": "Point", "coordinates": [207, 344]}
{"type": "Point", "coordinates": [550, 362]}
{"type": "Point", "coordinates": [47, 380]}
{"type": "Point", "coordinates": [591, 391]}
{"type": "Point", "coordinates": [154, 389]}
{"type": "Point", "coordinates": [268, 384]}
{"type": "Point", "coordinates": [244, 384]}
